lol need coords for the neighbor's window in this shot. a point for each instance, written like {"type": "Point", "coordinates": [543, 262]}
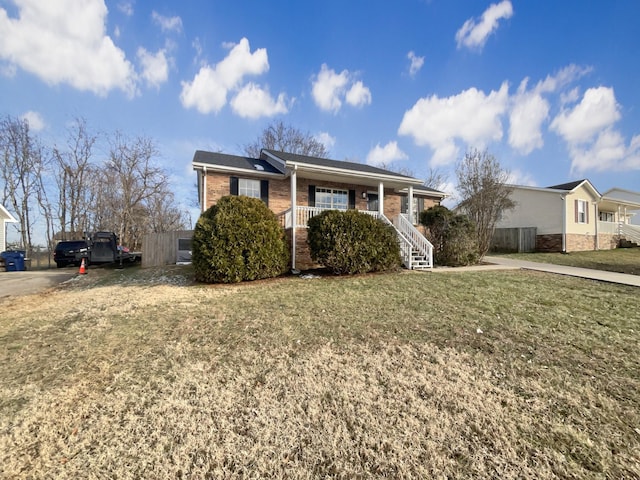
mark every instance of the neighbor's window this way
{"type": "Point", "coordinates": [607, 217]}
{"type": "Point", "coordinates": [582, 211]}
{"type": "Point", "coordinates": [332, 198]}
{"type": "Point", "coordinates": [249, 188]}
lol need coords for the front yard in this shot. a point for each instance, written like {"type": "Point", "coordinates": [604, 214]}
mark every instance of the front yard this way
{"type": "Point", "coordinates": [141, 374]}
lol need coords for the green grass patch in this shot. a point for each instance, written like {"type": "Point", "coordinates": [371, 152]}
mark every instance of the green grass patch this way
{"type": "Point", "coordinates": [621, 260]}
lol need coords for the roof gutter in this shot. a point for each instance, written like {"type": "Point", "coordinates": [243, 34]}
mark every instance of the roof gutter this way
{"type": "Point", "coordinates": [207, 167]}
{"type": "Point", "coordinates": [353, 173]}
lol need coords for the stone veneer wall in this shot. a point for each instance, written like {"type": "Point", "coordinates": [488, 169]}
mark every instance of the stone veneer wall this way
{"type": "Point", "coordinates": [575, 243]}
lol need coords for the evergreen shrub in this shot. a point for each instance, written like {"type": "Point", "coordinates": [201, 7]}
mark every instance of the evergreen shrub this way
{"type": "Point", "coordinates": [453, 237]}
{"type": "Point", "coordinates": [348, 242]}
{"type": "Point", "coordinates": [238, 239]}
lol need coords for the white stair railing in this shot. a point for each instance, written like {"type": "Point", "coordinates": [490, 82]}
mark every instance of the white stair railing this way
{"type": "Point", "coordinates": [630, 233]}
{"type": "Point", "coordinates": [417, 240]}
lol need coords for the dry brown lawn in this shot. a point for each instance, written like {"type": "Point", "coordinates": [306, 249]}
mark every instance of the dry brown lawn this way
{"type": "Point", "coordinates": [141, 374]}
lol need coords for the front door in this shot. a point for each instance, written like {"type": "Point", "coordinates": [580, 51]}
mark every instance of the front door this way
{"type": "Point", "coordinates": [372, 202]}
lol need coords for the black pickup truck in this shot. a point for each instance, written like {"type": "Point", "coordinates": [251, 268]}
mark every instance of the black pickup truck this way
{"type": "Point", "coordinates": [70, 252]}
{"type": "Point", "coordinates": [95, 248]}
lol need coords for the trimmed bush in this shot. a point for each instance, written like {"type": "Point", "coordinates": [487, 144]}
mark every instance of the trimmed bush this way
{"type": "Point", "coordinates": [453, 237]}
{"type": "Point", "coordinates": [351, 242]}
{"type": "Point", "coordinates": [238, 239]}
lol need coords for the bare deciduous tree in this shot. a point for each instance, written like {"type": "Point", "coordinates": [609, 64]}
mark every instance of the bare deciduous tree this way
{"type": "Point", "coordinates": [137, 179]}
{"type": "Point", "coordinates": [482, 185]}
{"type": "Point", "coordinates": [278, 136]}
{"type": "Point", "coordinates": [74, 174]}
{"type": "Point", "coordinates": [436, 178]}
{"type": "Point", "coordinates": [22, 165]}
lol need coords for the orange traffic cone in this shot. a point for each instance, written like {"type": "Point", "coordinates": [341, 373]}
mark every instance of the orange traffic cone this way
{"type": "Point", "coordinates": [83, 270]}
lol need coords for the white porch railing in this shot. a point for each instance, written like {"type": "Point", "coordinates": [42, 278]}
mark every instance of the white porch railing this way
{"type": "Point", "coordinates": [630, 232]}
{"type": "Point", "coordinates": [302, 216]}
{"type": "Point", "coordinates": [610, 228]}
{"type": "Point", "coordinates": [413, 244]}
{"type": "Point", "coordinates": [420, 246]}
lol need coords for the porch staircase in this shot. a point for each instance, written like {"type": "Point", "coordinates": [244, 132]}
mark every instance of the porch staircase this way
{"type": "Point", "coordinates": [416, 250]}
{"type": "Point", "coordinates": [419, 261]}
{"type": "Point", "coordinates": [629, 235]}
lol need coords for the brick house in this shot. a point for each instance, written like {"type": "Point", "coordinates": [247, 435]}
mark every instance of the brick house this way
{"type": "Point", "coordinates": [574, 216]}
{"type": "Point", "coordinates": [297, 187]}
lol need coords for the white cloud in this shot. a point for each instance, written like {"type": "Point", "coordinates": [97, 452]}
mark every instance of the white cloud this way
{"type": "Point", "coordinates": [471, 116]}
{"type": "Point", "coordinates": [387, 154]}
{"type": "Point", "coordinates": [253, 102]}
{"type": "Point", "coordinates": [65, 42]}
{"type": "Point", "coordinates": [358, 95]}
{"type": "Point", "coordinates": [474, 33]}
{"type": "Point", "coordinates": [562, 78]}
{"type": "Point", "coordinates": [329, 89]}
{"type": "Point", "coordinates": [35, 120]}
{"type": "Point", "coordinates": [527, 115]}
{"type": "Point", "coordinates": [155, 68]}
{"type": "Point", "coordinates": [126, 7]}
{"type": "Point", "coordinates": [416, 63]}
{"type": "Point", "coordinates": [597, 111]}
{"type": "Point", "coordinates": [518, 177]}
{"type": "Point", "coordinates": [327, 140]}
{"type": "Point", "coordinates": [530, 109]}
{"type": "Point", "coordinates": [208, 91]}
{"type": "Point", "coordinates": [167, 24]}
{"type": "Point", "coordinates": [607, 152]}
{"type": "Point", "coordinates": [592, 140]}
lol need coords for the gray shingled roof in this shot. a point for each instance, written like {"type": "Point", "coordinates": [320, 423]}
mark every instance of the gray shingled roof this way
{"type": "Point", "coordinates": [567, 186]}
{"type": "Point", "coordinates": [325, 162]}
{"type": "Point", "coordinates": [234, 161]}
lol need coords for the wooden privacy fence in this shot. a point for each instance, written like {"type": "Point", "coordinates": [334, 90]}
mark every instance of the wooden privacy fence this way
{"type": "Point", "coordinates": [160, 249]}
{"type": "Point", "coordinates": [514, 239]}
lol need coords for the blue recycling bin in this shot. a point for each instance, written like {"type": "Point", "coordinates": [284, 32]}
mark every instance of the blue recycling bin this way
{"type": "Point", "coordinates": [14, 260]}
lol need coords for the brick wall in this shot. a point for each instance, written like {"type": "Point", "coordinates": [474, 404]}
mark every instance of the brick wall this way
{"type": "Point", "coordinates": [218, 185]}
{"type": "Point", "coordinates": [549, 243]}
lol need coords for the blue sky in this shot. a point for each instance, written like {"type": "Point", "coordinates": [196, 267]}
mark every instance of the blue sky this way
{"type": "Point", "coordinates": [550, 88]}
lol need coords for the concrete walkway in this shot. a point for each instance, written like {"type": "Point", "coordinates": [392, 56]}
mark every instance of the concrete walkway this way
{"type": "Point", "coordinates": [601, 275]}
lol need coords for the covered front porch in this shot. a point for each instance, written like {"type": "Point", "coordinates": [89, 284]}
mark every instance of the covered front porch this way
{"type": "Point", "coordinates": [416, 251]}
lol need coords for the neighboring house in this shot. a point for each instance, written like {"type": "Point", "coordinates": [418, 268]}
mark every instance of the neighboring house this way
{"type": "Point", "coordinates": [297, 187]}
{"type": "Point", "coordinates": [573, 216]}
{"type": "Point", "coordinates": [5, 217]}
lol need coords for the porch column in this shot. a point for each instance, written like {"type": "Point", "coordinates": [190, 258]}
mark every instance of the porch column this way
{"type": "Point", "coordinates": [410, 204]}
{"type": "Point", "coordinates": [381, 198]}
{"type": "Point", "coordinates": [203, 207]}
{"type": "Point", "coordinates": [597, 224]}
{"type": "Point", "coordinates": [294, 216]}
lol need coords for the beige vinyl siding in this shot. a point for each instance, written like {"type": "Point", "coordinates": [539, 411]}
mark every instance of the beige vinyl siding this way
{"type": "Point", "coordinates": [534, 208]}
{"type": "Point", "coordinates": [575, 226]}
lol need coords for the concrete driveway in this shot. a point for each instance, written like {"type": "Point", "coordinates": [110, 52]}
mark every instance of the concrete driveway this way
{"type": "Point", "coordinates": [32, 281]}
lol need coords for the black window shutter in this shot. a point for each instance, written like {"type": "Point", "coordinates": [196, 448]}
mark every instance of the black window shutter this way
{"type": "Point", "coordinates": [233, 185]}
{"type": "Point", "coordinates": [264, 191]}
{"type": "Point", "coordinates": [404, 204]}
{"type": "Point", "coordinates": [352, 199]}
{"type": "Point", "coordinates": [312, 195]}
{"type": "Point", "coordinates": [420, 205]}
